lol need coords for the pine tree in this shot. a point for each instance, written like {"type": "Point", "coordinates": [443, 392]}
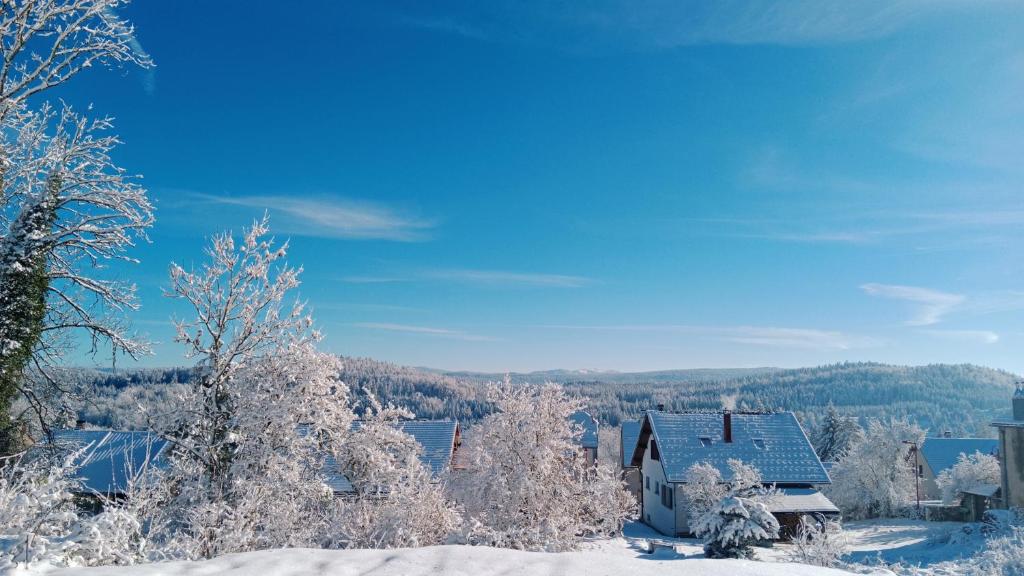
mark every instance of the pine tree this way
{"type": "Point", "coordinates": [836, 435]}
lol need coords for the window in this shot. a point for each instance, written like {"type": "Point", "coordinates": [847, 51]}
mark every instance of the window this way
{"type": "Point", "coordinates": [705, 441]}
{"type": "Point", "coordinates": [670, 493]}
{"type": "Point", "coordinates": [654, 450]}
{"type": "Point", "coordinates": [647, 483]}
{"type": "Point", "coordinates": [666, 497]}
{"type": "Point", "coordinates": [920, 470]}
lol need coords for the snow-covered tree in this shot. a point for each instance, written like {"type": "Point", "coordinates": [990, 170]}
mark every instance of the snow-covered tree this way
{"type": "Point", "coordinates": [733, 524]}
{"type": "Point", "coordinates": [877, 477]}
{"type": "Point", "coordinates": [836, 435]}
{"type": "Point", "coordinates": [740, 517]}
{"type": "Point", "coordinates": [398, 502]}
{"type": "Point", "coordinates": [250, 435]}
{"type": "Point", "coordinates": [968, 472]}
{"type": "Point", "coordinates": [819, 543]}
{"type": "Point", "coordinates": [65, 208]}
{"type": "Point", "coordinates": [527, 485]}
{"type": "Point", "coordinates": [703, 489]}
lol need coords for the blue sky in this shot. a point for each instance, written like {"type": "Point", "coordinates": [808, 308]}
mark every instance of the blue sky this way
{"type": "Point", "coordinates": [627, 185]}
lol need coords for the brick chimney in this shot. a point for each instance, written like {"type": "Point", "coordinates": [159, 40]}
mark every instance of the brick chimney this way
{"type": "Point", "coordinates": [727, 426]}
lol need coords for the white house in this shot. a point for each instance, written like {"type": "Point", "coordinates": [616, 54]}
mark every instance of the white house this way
{"type": "Point", "coordinates": [668, 444]}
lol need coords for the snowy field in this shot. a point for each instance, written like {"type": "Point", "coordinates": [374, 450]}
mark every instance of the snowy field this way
{"type": "Point", "coordinates": [453, 561]}
{"type": "Point", "coordinates": [893, 540]}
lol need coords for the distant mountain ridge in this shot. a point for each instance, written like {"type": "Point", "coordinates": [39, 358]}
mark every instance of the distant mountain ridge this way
{"type": "Point", "coordinates": [962, 398]}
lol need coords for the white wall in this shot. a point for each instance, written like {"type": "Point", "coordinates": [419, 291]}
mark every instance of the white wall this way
{"type": "Point", "coordinates": [661, 518]}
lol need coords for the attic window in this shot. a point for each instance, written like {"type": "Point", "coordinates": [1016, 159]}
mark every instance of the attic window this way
{"type": "Point", "coordinates": [759, 443]}
{"type": "Point", "coordinates": [654, 451]}
{"type": "Point", "coordinates": [705, 441]}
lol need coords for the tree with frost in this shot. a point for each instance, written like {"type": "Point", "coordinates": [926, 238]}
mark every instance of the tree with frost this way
{"type": "Point", "coordinates": [250, 434]}
{"type": "Point", "coordinates": [65, 208]}
{"type": "Point", "coordinates": [819, 542]}
{"type": "Point", "coordinates": [733, 525]}
{"type": "Point", "coordinates": [398, 503]}
{"type": "Point", "coordinates": [836, 435]}
{"type": "Point", "coordinates": [704, 487]}
{"type": "Point", "coordinates": [741, 517]}
{"type": "Point", "coordinates": [877, 477]}
{"type": "Point", "coordinates": [969, 472]}
{"type": "Point", "coordinates": [526, 483]}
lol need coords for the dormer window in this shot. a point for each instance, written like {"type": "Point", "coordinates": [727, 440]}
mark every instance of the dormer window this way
{"type": "Point", "coordinates": [705, 441]}
{"type": "Point", "coordinates": [759, 443]}
{"type": "Point", "coordinates": [654, 450]}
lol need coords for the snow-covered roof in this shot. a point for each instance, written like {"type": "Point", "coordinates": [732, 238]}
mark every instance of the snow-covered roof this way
{"type": "Point", "coordinates": [111, 457]}
{"type": "Point", "coordinates": [589, 425]}
{"type": "Point", "coordinates": [629, 433]}
{"type": "Point", "coordinates": [802, 500]}
{"type": "Point", "coordinates": [774, 443]}
{"type": "Point", "coordinates": [986, 490]}
{"type": "Point", "coordinates": [942, 453]}
{"type": "Point", "coordinates": [437, 438]}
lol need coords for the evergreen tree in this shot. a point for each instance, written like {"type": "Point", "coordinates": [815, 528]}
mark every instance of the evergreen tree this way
{"type": "Point", "coordinates": [23, 286]}
{"type": "Point", "coordinates": [836, 435]}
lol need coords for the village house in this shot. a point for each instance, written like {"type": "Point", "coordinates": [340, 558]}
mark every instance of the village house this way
{"type": "Point", "coordinates": [628, 434]}
{"type": "Point", "coordinates": [936, 455]}
{"type": "Point", "coordinates": [1011, 455]}
{"type": "Point", "coordinates": [669, 443]}
{"type": "Point", "coordinates": [588, 440]}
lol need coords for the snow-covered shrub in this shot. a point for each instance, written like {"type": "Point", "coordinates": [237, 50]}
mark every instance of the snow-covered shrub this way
{"type": "Point", "coordinates": [704, 487]}
{"type": "Point", "coordinates": [37, 509]}
{"type": "Point", "coordinates": [968, 472]}
{"type": "Point", "coordinates": [741, 517]}
{"type": "Point", "coordinates": [114, 536]}
{"type": "Point", "coordinates": [877, 476]}
{"type": "Point", "coordinates": [732, 525]}
{"type": "Point", "coordinates": [1002, 557]}
{"type": "Point", "coordinates": [398, 503]}
{"type": "Point", "coordinates": [527, 485]}
{"type": "Point", "coordinates": [818, 543]}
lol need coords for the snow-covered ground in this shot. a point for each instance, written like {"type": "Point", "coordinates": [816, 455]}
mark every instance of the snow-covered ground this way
{"type": "Point", "coordinates": [453, 561]}
{"type": "Point", "coordinates": [912, 541]}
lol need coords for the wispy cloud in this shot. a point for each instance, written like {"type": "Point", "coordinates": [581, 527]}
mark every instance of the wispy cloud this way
{"type": "Point", "coordinates": [332, 217]}
{"type": "Point", "coordinates": [671, 23]}
{"type": "Point", "coordinates": [933, 305]}
{"type": "Point", "coordinates": [507, 278]}
{"type": "Point", "coordinates": [372, 279]}
{"type": "Point", "coordinates": [976, 336]}
{"type": "Point", "coordinates": [424, 330]}
{"type": "Point", "coordinates": [773, 336]}
{"type": "Point", "coordinates": [496, 278]}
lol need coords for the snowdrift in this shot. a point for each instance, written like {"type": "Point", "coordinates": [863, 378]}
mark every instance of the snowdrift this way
{"type": "Point", "coordinates": [451, 561]}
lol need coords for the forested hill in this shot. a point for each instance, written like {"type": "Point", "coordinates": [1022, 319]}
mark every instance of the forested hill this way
{"type": "Point", "coordinates": [959, 398]}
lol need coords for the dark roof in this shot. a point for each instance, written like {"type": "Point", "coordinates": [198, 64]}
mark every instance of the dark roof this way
{"type": "Point", "coordinates": [629, 434]}
{"type": "Point", "coordinates": [110, 457]}
{"type": "Point", "coordinates": [773, 443]}
{"type": "Point", "coordinates": [589, 425]}
{"type": "Point", "coordinates": [942, 453]}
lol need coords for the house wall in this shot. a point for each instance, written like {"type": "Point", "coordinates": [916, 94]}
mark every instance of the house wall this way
{"type": "Point", "coordinates": [653, 513]}
{"type": "Point", "coordinates": [1011, 450]}
{"type": "Point", "coordinates": [631, 476]}
{"type": "Point", "coordinates": [929, 488]}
